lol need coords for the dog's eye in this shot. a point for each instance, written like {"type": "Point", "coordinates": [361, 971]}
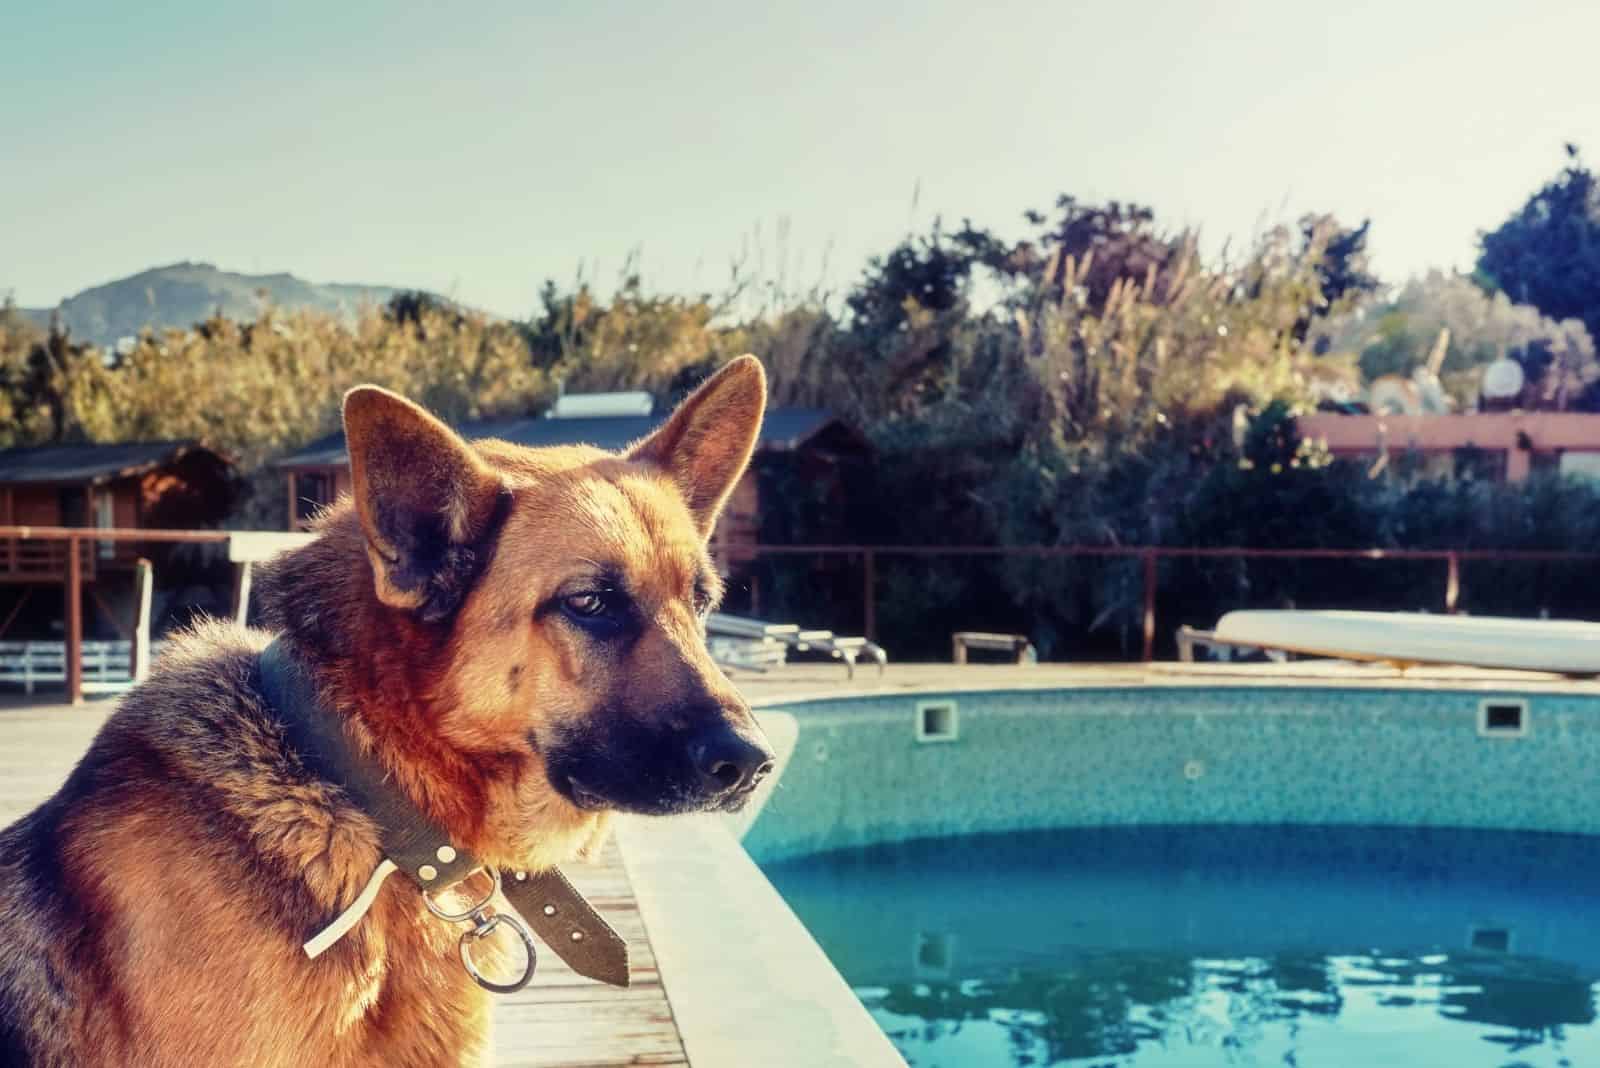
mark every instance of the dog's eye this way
{"type": "Point", "coordinates": [587, 605]}
{"type": "Point", "coordinates": [601, 613]}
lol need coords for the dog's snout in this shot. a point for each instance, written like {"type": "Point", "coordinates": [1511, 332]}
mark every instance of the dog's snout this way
{"type": "Point", "coordinates": [727, 761]}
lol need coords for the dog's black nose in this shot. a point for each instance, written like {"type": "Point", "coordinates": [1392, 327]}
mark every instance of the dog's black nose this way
{"type": "Point", "coordinates": [727, 761]}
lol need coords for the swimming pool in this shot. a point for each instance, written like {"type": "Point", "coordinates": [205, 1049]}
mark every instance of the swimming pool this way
{"type": "Point", "coordinates": [1201, 876]}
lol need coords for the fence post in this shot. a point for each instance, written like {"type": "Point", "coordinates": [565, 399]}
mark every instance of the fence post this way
{"type": "Point", "coordinates": [1452, 583]}
{"type": "Point", "coordinates": [1149, 606]}
{"type": "Point", "coordinates": [869, 585]}
{"type": "Point", "coordinates": [74, 644]}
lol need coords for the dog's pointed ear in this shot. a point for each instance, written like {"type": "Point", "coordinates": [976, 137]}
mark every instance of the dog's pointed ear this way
{"type": "Point", "coordinates": [425, 499]}
{"type": "Point", "coordinates": [706, 443]}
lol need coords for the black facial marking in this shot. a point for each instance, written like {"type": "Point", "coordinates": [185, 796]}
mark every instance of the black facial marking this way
{"type": "Point", "coordinates": [630, 761]}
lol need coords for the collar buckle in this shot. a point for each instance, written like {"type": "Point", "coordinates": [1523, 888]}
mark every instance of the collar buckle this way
{"type": "Point", "coordinates": [471, 911]}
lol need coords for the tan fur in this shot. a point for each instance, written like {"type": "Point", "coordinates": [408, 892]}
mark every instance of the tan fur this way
{"type": "Point", "coordinates": [151, 913]}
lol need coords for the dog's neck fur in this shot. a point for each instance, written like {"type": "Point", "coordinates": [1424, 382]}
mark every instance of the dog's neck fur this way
{"type": "Point", "coordinates": [373, 664]}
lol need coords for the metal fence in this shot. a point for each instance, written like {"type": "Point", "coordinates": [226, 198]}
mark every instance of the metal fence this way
{"type": "Point", "coordinates": [869, 563]}
{"type": "Point", "coordinates": [866, 561]}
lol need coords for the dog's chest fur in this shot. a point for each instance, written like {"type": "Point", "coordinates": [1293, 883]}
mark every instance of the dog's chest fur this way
{"type": "Point", "coordinates": [171, 882]}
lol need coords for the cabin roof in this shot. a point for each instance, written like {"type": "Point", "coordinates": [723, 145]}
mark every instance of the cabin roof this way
{"type": "Point", "coordinates": [782, 430]}
{"type": "Point", "coordinates": [91, 464]}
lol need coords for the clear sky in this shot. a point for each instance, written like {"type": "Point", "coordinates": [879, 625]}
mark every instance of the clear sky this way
{"type": "Point", "coordinates": [477, 149]}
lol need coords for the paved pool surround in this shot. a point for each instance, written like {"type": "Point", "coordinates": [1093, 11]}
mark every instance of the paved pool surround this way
{"type": "Point", "coordinates": [852, 772]}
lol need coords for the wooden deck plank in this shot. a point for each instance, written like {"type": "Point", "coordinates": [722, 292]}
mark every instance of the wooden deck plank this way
{"type": "Point", "coordinates": [561, 1020]}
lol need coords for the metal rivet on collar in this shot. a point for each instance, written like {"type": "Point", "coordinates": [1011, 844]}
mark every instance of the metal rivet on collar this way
{"type": "Point", "coordinates": [427, 872]}
{"type": "Point", "coordinates": [577, 936]}
{"type": "Point", "coordinates": [522, 876]}
{"type": "Point", "coordinates": [446, 854]}
{"type": "Point", "coordinates": [549, 910]}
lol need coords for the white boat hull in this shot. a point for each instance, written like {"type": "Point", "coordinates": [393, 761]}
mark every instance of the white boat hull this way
{"type": "Point", "coordinates": [1567, 647]}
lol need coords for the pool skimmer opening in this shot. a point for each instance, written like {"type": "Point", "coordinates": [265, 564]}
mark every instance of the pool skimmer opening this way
{"type": "Point", "coordinates": [933, 955]}
{"type": "Point", "coordinates": [1503, 717]}
{"type": "Point", "coordinates": [938, 721]}
{"type": "Point", "coordinates": [1491, 939]}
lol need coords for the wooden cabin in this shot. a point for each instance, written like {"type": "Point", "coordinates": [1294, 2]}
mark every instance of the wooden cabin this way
{"type": "Point", "coordinates": [163, 484]}
{"type": "Point", "coordinates": [812, 437]}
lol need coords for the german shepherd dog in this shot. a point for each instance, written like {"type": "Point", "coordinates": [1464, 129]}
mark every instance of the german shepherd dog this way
{"type": "Point", "coordinates": [515, 635]}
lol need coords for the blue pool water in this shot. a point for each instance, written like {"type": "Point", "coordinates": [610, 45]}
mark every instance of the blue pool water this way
{"type": "Point", "coordinates": [1202, 945]}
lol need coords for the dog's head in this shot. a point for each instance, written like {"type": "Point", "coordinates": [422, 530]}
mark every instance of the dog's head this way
{"type": "Point", "coordinates": [558, 599]}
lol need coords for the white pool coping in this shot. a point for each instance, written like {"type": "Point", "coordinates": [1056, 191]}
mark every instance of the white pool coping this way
{"type": "Point", "coordinates": [747, 983]}
{"type": "Point", "coordinates": [912, 680]}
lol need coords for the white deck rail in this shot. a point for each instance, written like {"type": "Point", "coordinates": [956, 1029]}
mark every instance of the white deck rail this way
{"type": "Point", "coordinates": [107, 665]}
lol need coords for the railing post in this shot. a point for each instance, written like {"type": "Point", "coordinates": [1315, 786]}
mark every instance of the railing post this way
{"type": "Point", "coordinates": [144, 583]}
{"type": "Point", "coordinates": [869, 600]}
{"type": "Point", "coordinates": [74, 650]}
{"type": "Point", "coordinates": [242, 575]}
{"type": "Point", "coordinates": [1452, 583]}
{"type": "Point", "coordinates": [1149, 606]}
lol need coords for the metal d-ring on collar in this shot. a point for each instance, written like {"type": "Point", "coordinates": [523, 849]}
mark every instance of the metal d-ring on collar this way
{"type": "Point", "coordinates": [484, 920]}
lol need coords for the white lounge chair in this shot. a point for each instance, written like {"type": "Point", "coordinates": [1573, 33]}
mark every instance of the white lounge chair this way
{"type": "Point", "coordinates": [753, 645]}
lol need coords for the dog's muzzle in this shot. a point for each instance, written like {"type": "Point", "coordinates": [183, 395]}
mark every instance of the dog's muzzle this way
{"type": "Point", "coordinates": [644, 765]}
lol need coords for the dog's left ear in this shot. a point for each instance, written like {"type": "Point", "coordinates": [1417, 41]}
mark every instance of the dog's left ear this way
{"type": "Point", "coordinates": [706, 443]}
{"type": "Point", "coordinates": [425, 498]}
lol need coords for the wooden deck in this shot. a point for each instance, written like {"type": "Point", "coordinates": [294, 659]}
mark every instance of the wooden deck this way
{"type": "Point", "coordinates": [560, 1019]}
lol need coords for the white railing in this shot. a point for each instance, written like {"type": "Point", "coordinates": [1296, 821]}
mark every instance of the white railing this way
{"type": "Point", "coordinates": [107, 666]}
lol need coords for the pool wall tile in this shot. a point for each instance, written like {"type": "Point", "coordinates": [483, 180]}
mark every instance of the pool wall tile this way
{"type": "Point", "coordinates": [1031, 760]}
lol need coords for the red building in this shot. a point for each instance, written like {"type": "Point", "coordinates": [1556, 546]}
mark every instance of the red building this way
{"type": "Point", "coordinates": [150, 485]}
{"type": "Point", "coordinates": [1515, 443]}
{"type": "Point", "coordinates": [165, 484]}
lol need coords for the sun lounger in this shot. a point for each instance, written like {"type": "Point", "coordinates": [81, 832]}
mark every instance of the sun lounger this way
{"type": "Point", "coordinates": [753, 645]}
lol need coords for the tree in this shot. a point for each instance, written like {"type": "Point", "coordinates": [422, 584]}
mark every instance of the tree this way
{"type": "Point", "coordinates": [37, 368]}
{"type": "Point", "coordinates": [1548, 253]}
{"type": "Point", "coordinates": [636, 340]}
{"type": "Point", "coordinates": [1343, 277]}
{"type": "Point", "coordinates": [1394, 338]}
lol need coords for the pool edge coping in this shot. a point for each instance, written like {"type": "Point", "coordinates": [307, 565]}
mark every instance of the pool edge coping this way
{"type": "Point", "coordinates": [809, 693]}
{"type": "Point", "coordinates": [729, 948]}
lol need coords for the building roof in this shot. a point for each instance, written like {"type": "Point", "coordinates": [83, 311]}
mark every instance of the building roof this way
{"type": "Point", "coordinates": [782, 429]}
{"type": "Point", "coordinates": [87, 463]}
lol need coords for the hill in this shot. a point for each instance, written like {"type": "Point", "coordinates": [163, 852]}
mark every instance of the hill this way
{"type": "Point", "coordinates": [186, 293]}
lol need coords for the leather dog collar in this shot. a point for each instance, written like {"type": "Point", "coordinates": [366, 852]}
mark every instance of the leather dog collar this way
{"type": "Point", "coordinates": [413, 845]}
